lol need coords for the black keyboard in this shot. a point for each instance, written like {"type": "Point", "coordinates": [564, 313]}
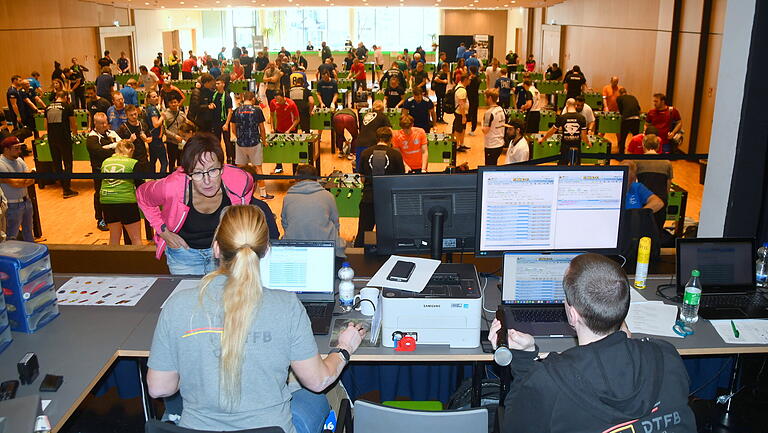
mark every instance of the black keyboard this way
{"type": "Point", "coordinates": [318, 309]}
{"type": "Point", "coordinates": [542, 315]}
{"type": "Point", "coordinates": [743, 301]}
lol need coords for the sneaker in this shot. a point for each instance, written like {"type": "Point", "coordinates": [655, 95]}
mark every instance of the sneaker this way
{"type": "Point", "coordinates": [70, 193]}
{"type": "Point", "coordinates": [350, 156]}
{"type": "Point", "coordinates": [341, 155]}
{"type": "Point", "coordinates": [102, 226]}
{"type": "Point", "coordinates": [471, 133]}
{"type": "Point", "coordinates": [463, 148]}
{"type": "Point", "coordinates": [267, 197]}
{"type": "Point", "coordinates": [278, 171]}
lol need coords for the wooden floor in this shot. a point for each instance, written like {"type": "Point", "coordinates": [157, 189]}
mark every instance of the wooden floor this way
{"type": "Point", "coordinates": [71, 221]}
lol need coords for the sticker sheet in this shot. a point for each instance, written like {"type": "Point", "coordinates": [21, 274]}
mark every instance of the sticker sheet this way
{"type": "Point", "coordinates": [109, 291]}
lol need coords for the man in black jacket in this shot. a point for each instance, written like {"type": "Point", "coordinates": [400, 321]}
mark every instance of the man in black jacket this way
{"type": "Point", "coordinates": [379, 160]}
{"type": "Point", "coordinates": [201, 106]}
{"type": "Point", "coordinates": [609, 383]}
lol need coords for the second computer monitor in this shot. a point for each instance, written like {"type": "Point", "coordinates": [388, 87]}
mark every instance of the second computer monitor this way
{"type": "Point", "coordinates": [549, 208]}
{"type": "Point", "coordinates": [405, 208]}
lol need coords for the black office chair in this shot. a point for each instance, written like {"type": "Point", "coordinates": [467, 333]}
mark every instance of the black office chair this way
{"type": "Point", "coordinates": [639, 223]}
{"type": "Point", "coordinates": [658, 184]}
{"type": "Point", "coordinates": [157, 426]}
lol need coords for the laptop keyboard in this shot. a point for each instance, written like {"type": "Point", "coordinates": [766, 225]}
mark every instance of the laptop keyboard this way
{"type": "Point", "coordinates": [744, 301]}
{"type": "Point", "coordinates": [543, 315]}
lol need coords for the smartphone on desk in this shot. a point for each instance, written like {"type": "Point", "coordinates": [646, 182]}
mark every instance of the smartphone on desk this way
{"type": "Point", "coordinates": [402, 271]}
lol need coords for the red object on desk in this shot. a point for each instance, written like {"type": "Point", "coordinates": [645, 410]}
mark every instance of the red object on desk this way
{"type": "Point", "coordinates": [406, 344]}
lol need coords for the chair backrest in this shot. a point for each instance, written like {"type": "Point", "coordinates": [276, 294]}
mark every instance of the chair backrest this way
{"type": "Point", "coordinates": [156, 426]}
{"type": "Point", "coordinates": [375, 418]}
{"type": "Point", "coordinates": [658, 183]}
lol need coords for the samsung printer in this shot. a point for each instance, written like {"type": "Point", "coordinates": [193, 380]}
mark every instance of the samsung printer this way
{"type": "Point", "coordinates": [447, 311]}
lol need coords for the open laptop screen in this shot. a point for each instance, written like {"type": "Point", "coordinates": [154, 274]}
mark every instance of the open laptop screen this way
{"type": "Point", "coordinates": [725, 264]}
{"type": "Point", "coordinates": [299, 266]}
{"type": "Point", "coordinates": [534, 278]}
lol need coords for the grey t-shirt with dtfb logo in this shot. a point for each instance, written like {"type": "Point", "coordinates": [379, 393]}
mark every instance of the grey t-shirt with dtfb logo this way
{"type": "Point", "coordinates": [188, 340]}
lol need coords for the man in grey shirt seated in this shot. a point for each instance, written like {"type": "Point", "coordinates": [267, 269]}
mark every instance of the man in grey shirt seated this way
{"type": "Point", "coordinates": [310, 212]}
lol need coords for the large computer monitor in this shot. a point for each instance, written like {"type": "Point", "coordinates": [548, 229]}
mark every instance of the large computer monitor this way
{"type": "Point", "coordinates": [549, 208]}
{"type": "Point", "coordinates": [413, 209]}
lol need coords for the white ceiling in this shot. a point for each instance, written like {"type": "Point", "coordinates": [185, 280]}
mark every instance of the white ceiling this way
{"type": "Point", "coordinates": [217, 4]}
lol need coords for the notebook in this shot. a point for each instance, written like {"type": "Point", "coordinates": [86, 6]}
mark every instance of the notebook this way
{"type": "Point", "coordinates": [305, 268]}
{"type": "Point", "coordinates": [727, 270]}
{"type": "Point", "coordinates": [532, 293]}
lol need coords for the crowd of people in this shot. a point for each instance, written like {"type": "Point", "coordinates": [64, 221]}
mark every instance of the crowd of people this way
{"type": "Point", "coordinates": [210, 218]}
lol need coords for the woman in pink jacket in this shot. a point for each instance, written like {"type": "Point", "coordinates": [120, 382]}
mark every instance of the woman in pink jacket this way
{"type": "Point", "coordinates": [184, 207]}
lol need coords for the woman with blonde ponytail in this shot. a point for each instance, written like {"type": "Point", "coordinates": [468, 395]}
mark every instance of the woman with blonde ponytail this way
{"type": "Point", "coordinates": [228, 345]}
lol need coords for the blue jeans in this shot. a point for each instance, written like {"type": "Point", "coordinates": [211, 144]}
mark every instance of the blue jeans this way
{"type": "Point", "coordinates": [20, 214]}
{"type": "Point", "coordinates": [157, 152]}
{"type": "Point", "coordinates": [308, 410]}
{"type": "Point", "coordinates": [190, 261]}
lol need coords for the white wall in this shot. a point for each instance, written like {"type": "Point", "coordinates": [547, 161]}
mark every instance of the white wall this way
{"type": "Point", "coordinates": [515, 19]}
{"type": "Point", "coordinates": [150, 25]}
{"type": "Point", "coordinates": [739, 17]}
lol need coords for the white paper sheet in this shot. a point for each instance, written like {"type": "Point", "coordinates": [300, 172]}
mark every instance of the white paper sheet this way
{"type": "Point", "coordinates": [635, 296]}
{"type": "Point", "coordinates": [653, 318]}
{"type": "Point", "coordinates": [44, 404]}
{"type": "Point", "coordinates": [751, 331]}
{"type": "Point", "coordinates": [419, 278]}
{"type": "Point", "coordinates": [183, 285]}
{"type": "Point", "coordinates": [106, 291]}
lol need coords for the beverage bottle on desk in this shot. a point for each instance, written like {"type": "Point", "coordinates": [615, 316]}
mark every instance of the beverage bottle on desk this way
{"type": "Point", "coordinates": [689, 312]}
{"type": "Point", "coordinates": [346, 287]}
{"type": "Point", "coordinates": [761, 266]}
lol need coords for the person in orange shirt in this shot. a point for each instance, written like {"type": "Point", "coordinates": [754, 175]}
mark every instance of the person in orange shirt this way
{"type": "Point", "coordinates": [610, 94]}
{"type": "Point", "coordinates": [412, 144]}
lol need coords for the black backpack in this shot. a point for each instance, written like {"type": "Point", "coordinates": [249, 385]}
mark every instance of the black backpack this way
{"type": "Point", "coordinates": [449, 101]}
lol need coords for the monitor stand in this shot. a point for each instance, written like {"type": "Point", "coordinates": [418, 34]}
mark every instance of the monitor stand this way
{"type": "Point", "coordinates": [436, 244]}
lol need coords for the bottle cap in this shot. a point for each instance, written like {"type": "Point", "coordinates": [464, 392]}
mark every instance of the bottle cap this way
{"type": "Point", "coordinates": [345, 265]}
{"type": "Point", "coordinates": [695, 273]}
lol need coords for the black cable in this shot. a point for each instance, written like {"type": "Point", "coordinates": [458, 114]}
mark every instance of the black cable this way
{"type": "Point", "coordinates": [712, 379]}
{"type": "Point", "coordinates": [660, 293]}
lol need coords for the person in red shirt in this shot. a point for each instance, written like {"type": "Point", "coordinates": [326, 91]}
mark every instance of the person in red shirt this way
{"type": "Point", "coordinates": [358, 71]}
{"type": "Point", "coordinates": [635, 146]}
{"type": "Point", "coordinates": [667, 121]}
{"type": "Point", "coordinates": [187, 66]}
{"type": "Point", "coordinates": [159, 72]}
{"type": "Point", "coordinates": [285, 120]}
{"type": "Point", "coordinates": [412, 144]}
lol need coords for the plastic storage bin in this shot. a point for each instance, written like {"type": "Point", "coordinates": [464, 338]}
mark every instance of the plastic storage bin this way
{"type": "Point", "coordinates": [6, 338]}
{"type": "Point", "coordinates": [30, 324]}
{"type": "Point", "coordinates": [3, 319]}
{"type": "Point", "coordinates": [33, 304]}
{"type": "Point", "coordinates": [25, 258]}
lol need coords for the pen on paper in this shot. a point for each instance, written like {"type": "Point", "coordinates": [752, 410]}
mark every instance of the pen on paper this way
{"type": "Point", "coordinates": [735, 330]}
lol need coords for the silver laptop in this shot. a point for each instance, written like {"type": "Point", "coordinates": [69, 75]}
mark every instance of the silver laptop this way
{"type": "Point", "coordinates": [532, 293]}
{"type": "Point", "coordinates": [305, 268]}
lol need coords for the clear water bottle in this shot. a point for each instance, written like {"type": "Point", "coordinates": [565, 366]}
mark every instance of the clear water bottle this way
{"type": "Point", "coordinates": [346, 287]}
{"type": "Point", "coordinates": [689, 313]}
{"type": "Point", "coordinates": [761, 266]}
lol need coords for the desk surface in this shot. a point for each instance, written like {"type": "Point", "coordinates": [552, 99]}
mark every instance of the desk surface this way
{"type": "Point", "coordinates": [83, 343]}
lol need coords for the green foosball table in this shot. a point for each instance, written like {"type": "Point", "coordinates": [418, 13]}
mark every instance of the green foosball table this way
{"type": "Point", "coordinates": [547, 119]}
{"type": "Point", "coordinates": [347, 190]}
{"type": "Point", "coordinates": [596, 144]}
{"type": "Point", "coordinates": [122, 79]}
{"type": "Point", "coordinates": [549, 87]}
{"type": "Point", "coordinates": [516, 114]}
{"type": "Point", "coordinates": [393, 114]}
{"type": "Point", "coordinates": [551, 147]}
{"type": "Point", "coordinates": [257, 76]}
{"type": "Point", "coordinates": [239, 86]}
{"type": "Point", "coordinates": [321, 119]}
{"type": "Point", "coordinates": [442, 148]}
{"type": "Point", "coordinates": [594, 100]}
{"type": "Point", "coordinates": [79, 149]}
{"type": "Point", "coordinates": [292, 149]}
{"type": "Point", "coordinates": [184, 84]}
{"type": "Point", "coordinates": [608, 122]}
